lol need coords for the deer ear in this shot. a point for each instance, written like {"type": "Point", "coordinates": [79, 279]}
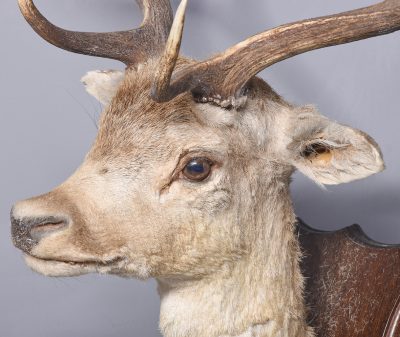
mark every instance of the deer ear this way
{"type": "Point", "coordinates": [103, 84]}
{"type": "Point", "coordinates": [330, 153]}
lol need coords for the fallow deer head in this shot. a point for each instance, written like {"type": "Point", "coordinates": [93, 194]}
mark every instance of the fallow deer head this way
{"type": "Point", "coordinates": [188, 178]}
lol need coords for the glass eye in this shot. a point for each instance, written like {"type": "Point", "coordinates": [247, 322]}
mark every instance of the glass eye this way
{"type": "Point", "coordinates": [197, 169]}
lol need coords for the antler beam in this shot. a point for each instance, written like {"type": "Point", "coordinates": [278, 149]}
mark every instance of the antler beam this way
{"type": "Point", "coordinates": [222, 78]}
{"type": "Point", "coordinates": [131, 47]}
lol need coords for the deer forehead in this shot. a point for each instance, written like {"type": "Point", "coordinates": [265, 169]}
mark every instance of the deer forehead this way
{"type": "Point", "coordinates": [134, 125]}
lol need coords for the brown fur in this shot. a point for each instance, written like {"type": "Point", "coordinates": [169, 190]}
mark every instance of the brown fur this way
{"type": "Point", "coordinates": [223, 250]}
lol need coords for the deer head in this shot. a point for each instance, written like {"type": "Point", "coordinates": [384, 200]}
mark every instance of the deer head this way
{"type": "Point", "coordinates": [188, 177]}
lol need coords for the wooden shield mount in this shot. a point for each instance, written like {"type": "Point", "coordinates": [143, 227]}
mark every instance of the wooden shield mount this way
{"type": "Point", "coordinates": [352, 283]}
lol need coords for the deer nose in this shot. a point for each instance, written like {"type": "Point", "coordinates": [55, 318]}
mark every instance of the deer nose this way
{"type": "Point", "coordinates": [28, 231]}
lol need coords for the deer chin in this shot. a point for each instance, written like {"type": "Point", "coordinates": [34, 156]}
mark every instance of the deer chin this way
{"type": "Point", "coordinates": [58, 268]}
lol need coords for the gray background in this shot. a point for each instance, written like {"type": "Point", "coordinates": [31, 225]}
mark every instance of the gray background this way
{"type": "Point", "coordinates": [46, 127]}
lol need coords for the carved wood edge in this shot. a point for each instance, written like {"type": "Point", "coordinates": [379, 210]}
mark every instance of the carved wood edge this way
{"type": "Point", "coordinates": [352, 283]}
{"type": "Point", "coordinates": [392, 328]}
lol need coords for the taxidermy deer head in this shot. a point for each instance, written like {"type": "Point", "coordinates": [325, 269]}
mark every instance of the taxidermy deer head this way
{"type": "Point", "coordinates": [188, 179]}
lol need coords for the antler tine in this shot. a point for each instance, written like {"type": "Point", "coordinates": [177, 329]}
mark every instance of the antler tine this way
{"type": "Point", "coordinates": [130, 46]}
{"type": "Point", "coordinates": [222, 78]}
{"type": "Point", "coordinates": [170, 56]}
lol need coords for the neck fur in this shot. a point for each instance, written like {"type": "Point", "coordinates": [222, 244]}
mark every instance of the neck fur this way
{"type": "Point", "coordinates": [258, 296]}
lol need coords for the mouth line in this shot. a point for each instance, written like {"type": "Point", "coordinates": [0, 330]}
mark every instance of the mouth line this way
{"type": "Point", "coordinates": [80, 263]}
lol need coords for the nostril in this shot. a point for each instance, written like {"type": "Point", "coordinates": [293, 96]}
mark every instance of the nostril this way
{"type": "Point", "coordinates": [28, 231]}
{"type": "Point", "coordinates": [47, 226]}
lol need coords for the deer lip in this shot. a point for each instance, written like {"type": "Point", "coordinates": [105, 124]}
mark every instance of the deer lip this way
{"type": "Point", "coordinates": [86, 263]}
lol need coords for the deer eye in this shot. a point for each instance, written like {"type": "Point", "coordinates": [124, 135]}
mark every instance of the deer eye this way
{"type": "Point", "coordinates": [197, 169]}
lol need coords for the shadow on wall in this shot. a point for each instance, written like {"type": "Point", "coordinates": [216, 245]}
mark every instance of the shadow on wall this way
{"type": "Point", "coordinates": [374, 208]}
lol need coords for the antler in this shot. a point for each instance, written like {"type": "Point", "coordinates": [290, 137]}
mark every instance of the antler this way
{"type": "Point", "coordinates": [168, 60]}
{"type": "Point", "coordinates": [131, 47]}
{"type": "Point", "coordinates": [222, 78]}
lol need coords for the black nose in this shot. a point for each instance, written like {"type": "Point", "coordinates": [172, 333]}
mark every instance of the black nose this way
{"type": "Point", "coordinates": [28, 231]}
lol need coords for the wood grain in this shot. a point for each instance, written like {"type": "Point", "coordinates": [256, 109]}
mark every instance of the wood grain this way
{"type": "Point", "coordinates": [353, 283]}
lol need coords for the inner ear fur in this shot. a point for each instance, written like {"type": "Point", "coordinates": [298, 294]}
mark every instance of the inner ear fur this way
{"type": "Point", "coordinates": [318, 153]}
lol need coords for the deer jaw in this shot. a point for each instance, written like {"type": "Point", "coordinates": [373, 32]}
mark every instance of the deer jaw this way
{"type": "Point", "coordinates": [260, 294]}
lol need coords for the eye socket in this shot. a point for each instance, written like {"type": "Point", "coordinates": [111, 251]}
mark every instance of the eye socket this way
{"type": "Point", "coordinates": [197, 169]}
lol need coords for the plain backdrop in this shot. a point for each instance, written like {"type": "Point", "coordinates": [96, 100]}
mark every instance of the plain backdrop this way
{"type": "Point", "coordinates": [47, 124]}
